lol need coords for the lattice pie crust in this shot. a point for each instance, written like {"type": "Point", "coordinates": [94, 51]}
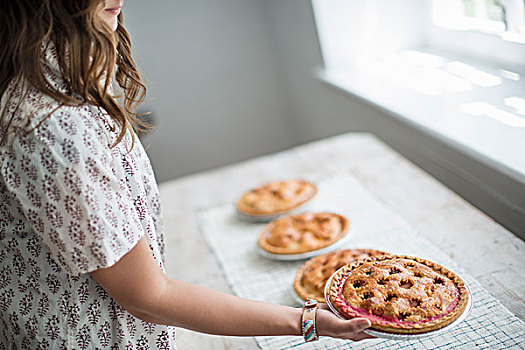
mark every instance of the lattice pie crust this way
{"type": "Point", "coordinates": [399, 294]}
{"type": "Point", "coordinates": [303, 233]}
{"type": "Point", "coordinates": [276, 197]}
{"type": "Point", "coordinates": [311, 277]}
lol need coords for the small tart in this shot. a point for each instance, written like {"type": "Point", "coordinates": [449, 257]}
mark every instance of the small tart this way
{"type": "Point", "coordinates": [399, 294]}
{"type": "Point", "coordinates": [276, 197]}
{"type": "Point", "coordinates": [303, 233]}
{"type": "Point", "coordinates": [311, 277]}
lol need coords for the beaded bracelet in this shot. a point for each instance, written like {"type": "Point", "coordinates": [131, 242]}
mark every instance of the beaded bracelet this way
{"type": "Point", "coordinates": [308, 327]}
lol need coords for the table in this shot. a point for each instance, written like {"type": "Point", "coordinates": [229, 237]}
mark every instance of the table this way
{"type": "Point", "coordinates": [486, 250]}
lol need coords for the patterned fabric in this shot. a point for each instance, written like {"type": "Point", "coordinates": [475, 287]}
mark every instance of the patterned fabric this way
{"type": "Point", "coordinates": [70, 204]}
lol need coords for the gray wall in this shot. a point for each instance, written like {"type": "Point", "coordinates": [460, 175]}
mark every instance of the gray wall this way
{"type": "Point", "coordinates": [232, 79]}
{"type": "Point", "coordinates": [215, 85]}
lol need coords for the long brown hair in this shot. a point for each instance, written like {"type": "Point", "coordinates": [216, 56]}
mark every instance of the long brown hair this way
{"type": "Point", "coordinates": [88, 51]}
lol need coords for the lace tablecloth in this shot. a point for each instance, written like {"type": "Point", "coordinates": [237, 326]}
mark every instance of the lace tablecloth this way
{"type": "Point", "coordinates": [372, 225]}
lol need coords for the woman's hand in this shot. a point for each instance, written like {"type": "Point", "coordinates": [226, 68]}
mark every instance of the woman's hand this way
{"type": "Point", "coordinates": [328, 324]}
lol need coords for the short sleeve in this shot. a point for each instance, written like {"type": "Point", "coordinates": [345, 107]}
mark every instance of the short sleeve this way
{"type": "Point", "coordinates": [71, 189]}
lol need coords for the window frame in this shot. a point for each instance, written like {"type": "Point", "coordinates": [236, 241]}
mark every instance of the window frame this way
{"type": "Point", "coordinates": [473, 37]}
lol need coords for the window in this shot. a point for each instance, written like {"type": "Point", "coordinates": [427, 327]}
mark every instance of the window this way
{"type": "Point", "coordinates": [447, 65]}
{"type": "Point", "coordinates": [500, 17]}
{"type": "Point", "coordinates": [452, 72]}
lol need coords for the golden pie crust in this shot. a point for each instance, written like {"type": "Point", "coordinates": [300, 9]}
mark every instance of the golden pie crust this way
{"type": "Point", "coordinates": [276, 197]}
{"type": "Point", "coordinates": [399, 294]}
{"type": "Point", "coordinates": [311, 277]}
{"type": "Point", "coordinates": [303, 233]}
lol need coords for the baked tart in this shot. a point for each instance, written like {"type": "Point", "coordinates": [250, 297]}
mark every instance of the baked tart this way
{"type": "Point", "coordinates": [399, 294]}
{"type": "Point", "coordinates": [276, 197]}
{"type": "Point", "coordinates": [311, 277]}
{"type": "Point", "coordinates": [303, 233]}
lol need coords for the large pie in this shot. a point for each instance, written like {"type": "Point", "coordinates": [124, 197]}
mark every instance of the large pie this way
{"type": "Point", "coordinates": [303, 233]}
{"type": "Point", "coordinates": [399, 294]}
{"type": "Point", "coordinates": [311, 277]}
{"type": "Point", "coordinates": [276, 197]}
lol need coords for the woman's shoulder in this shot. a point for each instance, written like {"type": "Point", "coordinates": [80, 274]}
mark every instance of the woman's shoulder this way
{"type": "Point", "coordinates": [29, 113]}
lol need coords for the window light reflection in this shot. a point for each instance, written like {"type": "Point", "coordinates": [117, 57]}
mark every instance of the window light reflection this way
{"type": "Point", "coordinates": [517, 103]}
{"type": "Point", "coordinates": [473, 74]}
{"type": "Point", "coordinates": [427, 73]}
{"type": "Point", "coordinates": [430, 74]}
{"type": "Point", "coordinates": [479, 109]}
{"type": "Point", "coordinates": [422, 59]}
{"type": "Point", "coordinates": [510, 75]}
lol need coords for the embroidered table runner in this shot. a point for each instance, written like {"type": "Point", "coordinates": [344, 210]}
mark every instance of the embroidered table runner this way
{"type": "Point", "coordinates": [372, 225]}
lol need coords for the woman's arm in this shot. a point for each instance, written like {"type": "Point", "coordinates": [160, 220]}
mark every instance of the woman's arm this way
{"type": "Point", "coordinates": [138, 284]}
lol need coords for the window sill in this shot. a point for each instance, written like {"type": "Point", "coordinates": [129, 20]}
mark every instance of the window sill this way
{"type": "Point", "coordinates": [497, 139]}
{"type": "Point", "coordinates": [493, 138]}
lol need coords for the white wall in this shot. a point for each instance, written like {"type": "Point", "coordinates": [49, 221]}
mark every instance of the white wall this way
{"type": "Point", "coordinates": [214, 84]}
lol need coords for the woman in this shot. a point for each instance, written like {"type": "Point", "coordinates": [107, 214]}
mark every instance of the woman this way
{"type": "Point", "coordinates": [81, 241]}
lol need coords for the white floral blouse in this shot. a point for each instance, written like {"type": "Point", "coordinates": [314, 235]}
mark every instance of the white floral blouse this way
{"type": "Point", "coordinates": [70, 204]}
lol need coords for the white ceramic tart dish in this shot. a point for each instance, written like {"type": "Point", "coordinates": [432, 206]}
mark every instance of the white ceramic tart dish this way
{"type": "Point", "coordinates": [400, 295]}
{"type": "Point", "coordinates": [267, 202]}
{"type": "Point", "coordinates": [303, 233]}
{"type": "Point", "coordinates": [311, 277]}
{"type": "Point", "coordinates": [302, 256]}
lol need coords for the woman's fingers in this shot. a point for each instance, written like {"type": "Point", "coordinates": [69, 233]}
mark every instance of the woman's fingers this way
{"type": "Point", "coordinates": [329, 324]}
{"type": "Point", "coordinates": [356, 325]}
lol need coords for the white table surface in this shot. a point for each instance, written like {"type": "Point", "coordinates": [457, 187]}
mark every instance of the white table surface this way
{"type": "Point", "coordinates": [486, 250]}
